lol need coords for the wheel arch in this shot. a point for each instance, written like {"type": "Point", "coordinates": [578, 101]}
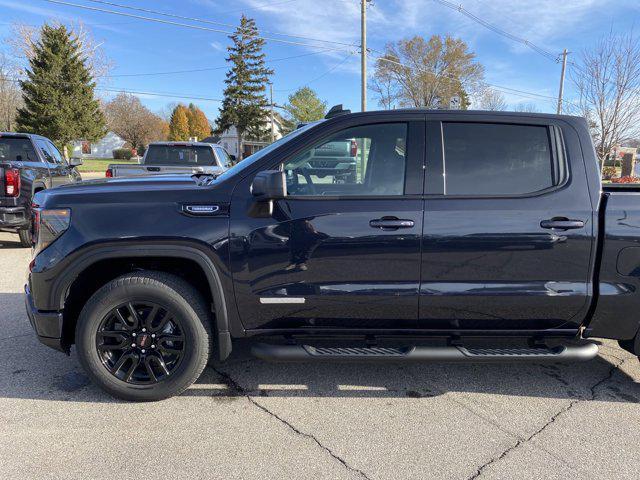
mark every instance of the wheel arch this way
{"type": "Point", "coordinates": [123, 258]}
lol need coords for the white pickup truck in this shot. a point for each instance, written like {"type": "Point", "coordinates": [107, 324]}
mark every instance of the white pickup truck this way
{"type": "Point", "coordinates": [176, 157]}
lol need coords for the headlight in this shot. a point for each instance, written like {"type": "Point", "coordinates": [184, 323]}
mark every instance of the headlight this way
{"type": "Point", "coordinates": [48, 225]}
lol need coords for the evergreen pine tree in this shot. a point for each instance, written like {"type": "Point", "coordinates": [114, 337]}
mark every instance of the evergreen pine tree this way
{"type": "Point", "coordinates": [198, 124]}
{"type": "Point", "coordinates": [245, 103]}
{"type": "Point", "coordinates": [58, 93]}
{"type": "Point", "coordinates": [179, 124]}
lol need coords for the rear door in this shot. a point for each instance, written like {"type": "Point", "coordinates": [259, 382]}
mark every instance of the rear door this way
{"type": "Point", "coordinates": [59, 169]}
{"type": "Point", "coordinates": [335, 254]}
{"type": "Point", "coordinates": [495, 256]}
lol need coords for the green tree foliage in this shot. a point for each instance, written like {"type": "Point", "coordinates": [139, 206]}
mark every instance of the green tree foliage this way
{"type": "Point", "coordinates": [58, 93]}
{"type": "Point", "coordinates": [198, 124]}
{"type": "Point", "coordinates": [245, 103]}
{"type": "Point", "coordinates": [179, 124]}
{"type": "Point", "coordinates": [303, 106]}
{"type": "Point", "coordinates": [418, 73]}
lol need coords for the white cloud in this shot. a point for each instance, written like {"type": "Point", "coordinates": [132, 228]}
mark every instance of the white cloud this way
{"type": "Point", "coordinates": [217, 46]}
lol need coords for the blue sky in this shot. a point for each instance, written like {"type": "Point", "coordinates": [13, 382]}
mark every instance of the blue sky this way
{"type": "Point", "coordinates": [140, 47]}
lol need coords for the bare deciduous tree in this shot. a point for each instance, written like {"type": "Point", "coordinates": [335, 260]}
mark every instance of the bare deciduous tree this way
{"type": "Point", "coordinates": [427, 73]}
{"type": "Point", "coordinates": [607, 80]}
{"type": "Point", "coordinates": [10, 94]}
{"type": "Point", "coordinates": [527, 107]}
{"type": "Point", "coordinates": [133, 122]}
{"type": "Point", "coordinates": [492, 100]}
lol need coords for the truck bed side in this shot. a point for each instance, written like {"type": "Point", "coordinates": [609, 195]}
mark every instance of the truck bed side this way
{"type": "Point", "coordinates": [617, 309]}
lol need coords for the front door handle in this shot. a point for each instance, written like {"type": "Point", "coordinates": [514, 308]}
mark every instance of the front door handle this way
{"type": "Point", "coordinates": [562, 223]}
{"type": "Point", "coordinates": [391, 223]}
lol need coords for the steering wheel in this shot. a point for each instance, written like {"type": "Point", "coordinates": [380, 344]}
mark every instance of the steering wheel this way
{"type": "Point", "coordinates": [311, 188]}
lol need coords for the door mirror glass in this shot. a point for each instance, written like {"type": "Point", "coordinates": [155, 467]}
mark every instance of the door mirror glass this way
{"type": "Point", "coordinates": [75, 161]}
{"type": "Point", "coordinates": [269, 185]}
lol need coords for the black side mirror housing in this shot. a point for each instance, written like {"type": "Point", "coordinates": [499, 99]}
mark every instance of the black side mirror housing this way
{"type": "Point", "coordinates": [232, 157]}
{"type": "Point", "coordinates": [269, 185]}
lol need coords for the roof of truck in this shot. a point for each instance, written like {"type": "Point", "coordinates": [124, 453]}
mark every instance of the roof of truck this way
{"type": "Point", "coordinates": [184, 144]}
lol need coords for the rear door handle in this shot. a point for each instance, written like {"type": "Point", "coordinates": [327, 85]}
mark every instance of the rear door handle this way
{"type": "Point", "coordinates": [391, 223]}
{"type": "Point", "coordinates": [562, 223]}
{"type": "Point", "coordinates": [153, 169]}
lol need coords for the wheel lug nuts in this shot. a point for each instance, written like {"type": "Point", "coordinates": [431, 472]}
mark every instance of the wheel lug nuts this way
{"type": "Point", "coordinates": [144, 329]}
{"type": "Point", "coordinates": [133, 345]}
{"type": "Point", "coordinates": [133, 334]}
{"type": "Point", "coordinates": [153, 335]}
{"type": "Point", "coordinates": [153, 346]}
{"type": "Point", "coordinates": [143, 350]}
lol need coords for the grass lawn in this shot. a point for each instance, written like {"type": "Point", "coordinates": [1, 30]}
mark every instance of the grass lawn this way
{"type": "Point", "coordinates": [99, 164]}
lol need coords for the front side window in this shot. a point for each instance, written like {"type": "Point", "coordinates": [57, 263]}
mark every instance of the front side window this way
{"type": "Point", "coordinates": [497, 159]}
{"type": "Point", "coordinates": [366, 160]}
{"type": "Point", "coordinates": [44, 149]}
{"type": "Point", "coordinates": [57, 156]}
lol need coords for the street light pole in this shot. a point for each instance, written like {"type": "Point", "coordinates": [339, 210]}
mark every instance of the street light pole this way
{"type": "Point", "coordinates": [363, 54]}
{"type": "Point", "coordinates": [564, 68]}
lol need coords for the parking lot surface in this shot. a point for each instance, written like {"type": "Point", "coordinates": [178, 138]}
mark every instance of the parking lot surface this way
{"type": "Point", "coordinates": [249, 419]}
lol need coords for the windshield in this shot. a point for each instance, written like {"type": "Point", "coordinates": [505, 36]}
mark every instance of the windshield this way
{"type": "Point", "coordinates": [251, 159]}
{"type": "Point", "coordinates": [15, 149]}
{"type": "Point", "coordinates": [180, 155]}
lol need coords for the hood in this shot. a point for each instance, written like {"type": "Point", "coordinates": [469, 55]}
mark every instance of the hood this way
{"type": "Point", "coordinates": [132, 189]}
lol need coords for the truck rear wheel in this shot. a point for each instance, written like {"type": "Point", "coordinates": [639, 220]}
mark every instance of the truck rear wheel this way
{"type": "Point", "coordinates": [144, 336]}
{"type": "Point", "coordinates": [25, 238]}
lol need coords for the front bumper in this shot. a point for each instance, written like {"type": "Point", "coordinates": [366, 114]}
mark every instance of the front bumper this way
{"type": "Point", "coordinates": [48, 325]}
{"type": "Point", "coordinates": [13, 218]}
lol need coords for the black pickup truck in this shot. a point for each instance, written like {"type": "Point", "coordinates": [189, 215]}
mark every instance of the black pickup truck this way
{"type": "Point", "coordinates": [28, 164]}
{"type": "Point", "coordinates": [464, 236]}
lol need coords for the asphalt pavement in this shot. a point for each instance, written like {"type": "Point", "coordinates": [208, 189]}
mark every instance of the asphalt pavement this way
{"type": "Point", "coordinates": [247, 419]}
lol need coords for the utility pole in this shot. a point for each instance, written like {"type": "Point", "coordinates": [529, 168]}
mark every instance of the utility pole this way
{"type": "Point", "coordinates": [564, 68]}
{"type": "Point", "coordinates": [363, 54]}
{"type": "Point", "coordinates": [273, 127]}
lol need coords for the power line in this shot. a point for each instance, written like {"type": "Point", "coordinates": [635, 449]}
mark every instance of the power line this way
{"type": "Point", "coordinates": [185, 25]}
{"type": "Point", "coordinates": [341, 62]}
{"type": "Point", "coordinates": [499, 31]}
{"type": "Point", "coordinates": [210, 22]}
{"type": "Point", "coordinates": [208, 69]}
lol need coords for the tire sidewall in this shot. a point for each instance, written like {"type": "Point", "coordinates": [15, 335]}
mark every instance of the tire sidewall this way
{"type": "Point", "coordinates": [108, 298]}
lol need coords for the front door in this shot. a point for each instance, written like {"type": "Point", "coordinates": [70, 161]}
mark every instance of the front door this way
{"type": "Point", "coordinates": [342, 250]}
{"type": "Point", "coordinates": [492, 258]}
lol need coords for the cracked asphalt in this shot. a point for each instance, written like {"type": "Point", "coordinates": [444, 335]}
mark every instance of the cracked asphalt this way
{"type": "Point", "coordinates": [248, 419]}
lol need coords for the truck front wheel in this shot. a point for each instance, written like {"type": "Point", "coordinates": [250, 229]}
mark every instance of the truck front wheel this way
{"type": "Point", "coordinates": [144, 336]}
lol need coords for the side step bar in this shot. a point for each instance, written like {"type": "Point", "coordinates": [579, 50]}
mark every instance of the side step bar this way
{"type": "Point", "coordinates": [298, 353]}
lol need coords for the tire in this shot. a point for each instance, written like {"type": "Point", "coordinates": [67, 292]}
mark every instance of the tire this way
{"type": "Point", "coordinates": [170, 294]}
{"type": "Point", "coordinates": [25, 238]}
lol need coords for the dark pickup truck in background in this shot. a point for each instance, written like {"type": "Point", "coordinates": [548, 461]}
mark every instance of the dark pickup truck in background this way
{"type": "Point", "coordinates": [28, 164]}
{"type": "Point", "coordinates": [176, 157]}
{"type": "Point", "coordinates": [465, 236]}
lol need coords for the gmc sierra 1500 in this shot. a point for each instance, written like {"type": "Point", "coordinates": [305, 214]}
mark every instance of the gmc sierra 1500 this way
{"type": "Point", "coordinates": [462, 236]}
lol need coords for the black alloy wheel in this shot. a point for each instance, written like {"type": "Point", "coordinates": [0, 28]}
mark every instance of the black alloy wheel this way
{"type": "Point", "coordinates": [140, 342]}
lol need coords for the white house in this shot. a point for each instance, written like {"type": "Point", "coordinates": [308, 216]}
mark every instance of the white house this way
{"type": "Point", "coordinates": [229, 139]}
{"type": "Point", "coordinates": [103, 148]}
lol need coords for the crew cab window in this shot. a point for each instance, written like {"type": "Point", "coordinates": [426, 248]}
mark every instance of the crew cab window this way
{"type": "Point", "coordinates": [366, 160]}
{"type": "Point", "coordinates": [14, 149]}
{"type": "Point", "coordinates": [497, 159]}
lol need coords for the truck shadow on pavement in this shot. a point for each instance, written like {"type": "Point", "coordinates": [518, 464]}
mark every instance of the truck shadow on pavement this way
{"type": "Point", "coordinates": [11, 242]}
{"type": "Point", "coordinates": [30, 370]}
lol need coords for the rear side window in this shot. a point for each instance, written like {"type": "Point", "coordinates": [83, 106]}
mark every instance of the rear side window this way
{"type": "Point", "coordinates": [180, 155]}
{"type": "Point", "coordinates": [497, 159]}
{"type": "Point", "coordinates": [17, 150]}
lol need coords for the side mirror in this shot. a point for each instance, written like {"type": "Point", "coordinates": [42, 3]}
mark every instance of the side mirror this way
{"type": "Point", "coordinates": [269, 185]}
{"type": "Point", "coordinates": [232, 157]}
{"type": "Point", "coordinates": [75, 161]}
